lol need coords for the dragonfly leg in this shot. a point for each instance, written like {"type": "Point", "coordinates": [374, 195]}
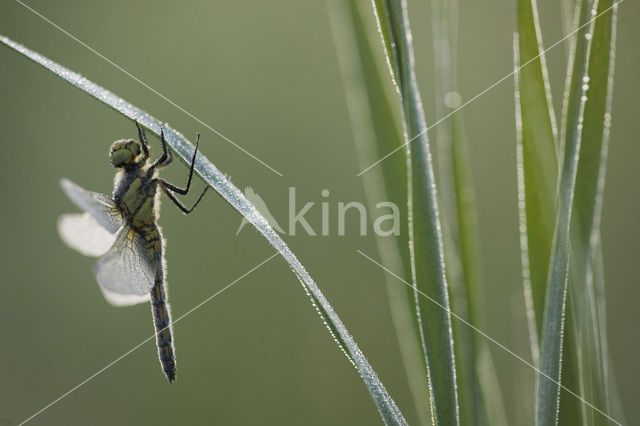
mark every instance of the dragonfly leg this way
{"type": "Point", "coordinates": [168, 160]}
{"type": "Point", "coordinates": [143, 141]}
{"type": "Point", "coordinates": [166, 157]}
{"type": "Point", "coordinates": [184, 191]}
{"type": "Point", "coordinates": [177, 202]}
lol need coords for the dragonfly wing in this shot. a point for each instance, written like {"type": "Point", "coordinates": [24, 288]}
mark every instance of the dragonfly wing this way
{"type": "Point", "coordinates": [127, 269]}
{"type": "Point", "coordinates": [117, 299]}
{"type": "Point", "coordinates": [101, 207]}
{"type": "Point", "coordinates": [81, 231]}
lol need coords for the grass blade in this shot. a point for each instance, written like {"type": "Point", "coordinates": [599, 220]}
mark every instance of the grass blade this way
{"type": "Point", "coordinates": [375, 133]}
{"type": "Point", "coordinates": [537, 165]}
{"type": "Point", "coordinates": [555, 303]}
{"type": "Point", "coordinates": [537, 177]}
{"type": "Point", "coordinates": [478, 391]}
{"type": "Point", "coordinates": [567, 12]}
{"type": "Point", "coordinates": [425, 245]}
{"type": "Point", "coordinates": [213, 177]}
{"type": "Point", "coordinates": [573, 357]}
{"type": "Point", "coordinates": [597, 81]}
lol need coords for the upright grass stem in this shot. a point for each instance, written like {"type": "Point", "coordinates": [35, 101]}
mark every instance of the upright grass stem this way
{"type": "Point", "coordinates": [425, 238]}
{"type": "Point", "coordinates": [375, 133]}
{"type": "Point", "coordinates": [537, 163]}
{"type": "Point", "coordinates": [586, 116]}
{"type": "Point", "coordinates": [479, 395]}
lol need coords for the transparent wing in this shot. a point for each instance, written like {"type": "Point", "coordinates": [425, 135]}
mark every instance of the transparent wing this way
{"type": "Point", "coordinates": [82, 232]}
{"type": "Point", "coordinates": [117, 299]}
{"type": "Point", "coordinates": [101, 207]}
{"type": "Point", "coordinates": [128, 268]}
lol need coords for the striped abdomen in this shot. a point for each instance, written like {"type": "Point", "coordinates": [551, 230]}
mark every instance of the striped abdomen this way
{"type": "Point", "coordinates": [162, 321]}
{"type": "Point", "coordinates": [162, 315]}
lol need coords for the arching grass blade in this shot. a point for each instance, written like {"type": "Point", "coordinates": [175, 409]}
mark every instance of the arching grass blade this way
{"type": "Point", "coordinates": [217, 180]}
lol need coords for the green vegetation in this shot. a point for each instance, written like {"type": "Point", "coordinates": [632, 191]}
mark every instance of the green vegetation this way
{"type": "Point", "coordinates": [435, 284]}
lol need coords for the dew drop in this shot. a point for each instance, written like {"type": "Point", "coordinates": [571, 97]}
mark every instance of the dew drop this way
{"type": "Point", "coordinates": [452, 99]}
{"type": "Point", "coordinates": [587, 36]}
{"type": "Point", "coordinates": [585, 79]}
{"type": "Point", "coordinates": [583, 98]}
{"type": "Point", "coordinates": [585, 87]}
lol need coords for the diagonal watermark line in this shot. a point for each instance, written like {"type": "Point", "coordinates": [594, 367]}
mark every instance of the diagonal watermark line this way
{"type": "Point", "coordinates": [150, 88]}
{"type": "Point", "coordinates": [492, 86]}
{"type": "Point", "coordinates": [94, 375]}
{"type": "Point", "coordinates": [494, 341]}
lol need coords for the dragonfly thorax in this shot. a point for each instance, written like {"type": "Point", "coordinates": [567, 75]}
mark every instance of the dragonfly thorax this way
{"type": "Point", "coordinates": [126, 153]}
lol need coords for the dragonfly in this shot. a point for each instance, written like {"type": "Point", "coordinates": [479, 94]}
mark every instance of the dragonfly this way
{"type": "Point", "coordinates": [123, 232]}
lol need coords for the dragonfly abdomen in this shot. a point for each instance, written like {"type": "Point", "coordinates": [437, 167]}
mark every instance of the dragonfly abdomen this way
{"type": "Point", "coordinates": [162, 317]}
{"type": "Point", "coordinates": [162, 321]}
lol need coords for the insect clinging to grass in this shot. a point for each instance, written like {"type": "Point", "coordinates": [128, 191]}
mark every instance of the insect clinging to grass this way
{"type": "Point", "coordinates": [123, 232]}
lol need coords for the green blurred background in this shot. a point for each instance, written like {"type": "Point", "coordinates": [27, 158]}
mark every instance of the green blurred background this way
{"type": "Point", "coordinates": [264, 74]}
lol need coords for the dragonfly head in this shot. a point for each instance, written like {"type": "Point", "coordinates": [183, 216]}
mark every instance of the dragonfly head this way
{"type": "Point", "coordinates": [125, 153]}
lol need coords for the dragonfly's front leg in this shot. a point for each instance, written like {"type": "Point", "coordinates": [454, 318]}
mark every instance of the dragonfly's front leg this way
{"type": "Point", "coordinates": [143, 141]}
{"type": "Point", "coordinates": [166, 157]}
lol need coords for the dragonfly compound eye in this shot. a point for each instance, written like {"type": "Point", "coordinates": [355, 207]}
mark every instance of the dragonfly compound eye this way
{"type": "Point", "coordinates": [124, 152]}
